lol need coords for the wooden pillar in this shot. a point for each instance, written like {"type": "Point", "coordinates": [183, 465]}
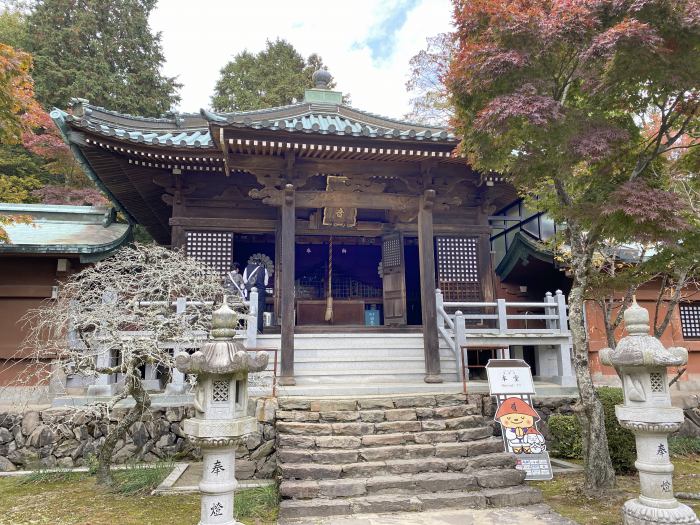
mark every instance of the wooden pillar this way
{"type": "Point", "coordinates": [426, 255]}
{"type": "Point", "coordinates": [486, 273]}
{"type": "Point", "coordinates": [178, 237]}
{"type": "Point", "coordinates": [287, 286]}
{"type": "Point", "coordinates": [278, 265]}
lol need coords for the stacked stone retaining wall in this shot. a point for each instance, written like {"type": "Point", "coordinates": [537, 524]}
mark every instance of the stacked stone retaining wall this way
{"type": "Point", "coordinates": [68, 437]}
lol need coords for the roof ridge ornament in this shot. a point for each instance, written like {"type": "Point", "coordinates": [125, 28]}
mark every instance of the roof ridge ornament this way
{"type": "Point", "coordinates": [322, 78]}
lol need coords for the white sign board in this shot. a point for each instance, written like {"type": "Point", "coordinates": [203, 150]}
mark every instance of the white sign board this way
{"type": "Point", "coordinates": [510, 381]}
{"type": "Point", "coordinates": [509, 376]}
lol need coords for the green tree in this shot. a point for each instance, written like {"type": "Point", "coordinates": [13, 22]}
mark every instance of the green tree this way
{"type": "Point", "coordinates": [276, 76]}
{"type": "Point", "coordinates": [13, 26]}
{"type": "Point", "coordinates": [101, 50]}
{"type": "Point", "coordinates": [556, 96]}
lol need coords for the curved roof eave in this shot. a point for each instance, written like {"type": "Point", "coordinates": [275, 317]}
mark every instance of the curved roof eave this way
{"type": "Point", "coordinates": [522, 248]}
{"type": "Point", "coordinates": [190, 131]}
{"type": "Point", "coordinates": [87, 252]}
{"type": "Point", "coordinates": [58, 117]}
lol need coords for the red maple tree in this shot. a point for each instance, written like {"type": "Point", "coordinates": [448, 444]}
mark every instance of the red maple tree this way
{"type": "Point", "coordinates": [554, 94]}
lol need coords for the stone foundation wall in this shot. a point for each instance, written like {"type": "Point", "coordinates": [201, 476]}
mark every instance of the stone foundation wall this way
{"type": "Point", "coordinates": [60, 437]}
{"type": "Point", "coordinates": [68, 437]}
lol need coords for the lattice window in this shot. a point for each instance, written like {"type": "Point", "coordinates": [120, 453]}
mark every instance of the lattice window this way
{"type": "Point", "coordinates": [690, 320]}
{"type": "Point", "coordinates": [458, 268]}
{"type": "Point", "coordinates": [213, 248]}
{"type": "Point", "coordinates": [220, 392]}
{"type": "Point", "coordinates": [391, 252]}
{"type": "Point", "coordinates": [657, 382]}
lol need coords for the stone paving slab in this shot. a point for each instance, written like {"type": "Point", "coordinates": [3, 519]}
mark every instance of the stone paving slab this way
{"type": "Point", "coordinates": [532, 515]}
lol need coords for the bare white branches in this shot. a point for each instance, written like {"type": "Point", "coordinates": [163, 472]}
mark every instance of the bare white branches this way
{"type": "Point", "coordinates": [122, 309]}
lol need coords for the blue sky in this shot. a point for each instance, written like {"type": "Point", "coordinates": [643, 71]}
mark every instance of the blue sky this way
{"type": "Point", "coordinates": [366, 44]}
{"type": "Point", "coordinates": [381, 39]}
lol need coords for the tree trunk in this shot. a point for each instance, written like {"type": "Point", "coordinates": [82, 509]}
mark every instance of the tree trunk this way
{"type": "Point", "coordinates": [600, 474]}
{"type": "Point", "coordinates": [143, 402]}
{"type": "Point", "coordinates": [681, 281]}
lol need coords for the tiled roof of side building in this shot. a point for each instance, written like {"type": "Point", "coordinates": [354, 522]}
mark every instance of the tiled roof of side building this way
{"type": "Point", "coordinates": [68, 230]}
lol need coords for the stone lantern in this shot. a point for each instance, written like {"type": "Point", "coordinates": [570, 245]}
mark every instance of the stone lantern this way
{"type": "Point", "coordinates": [641, 361]}
{"type": "Point", "coordinates": [220, 402]}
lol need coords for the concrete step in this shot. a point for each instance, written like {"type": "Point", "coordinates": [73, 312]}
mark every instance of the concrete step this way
{"type": "Point", "coordinates": [413, 371]}
{"type": "Point", "coordinates": [382, 461]}
{"type": "Point", "coordinates": [367, 383]}
{"type": "Point", "coordinates": [379, 503]}
{"type": "Point", "coordinates": [394, 365]}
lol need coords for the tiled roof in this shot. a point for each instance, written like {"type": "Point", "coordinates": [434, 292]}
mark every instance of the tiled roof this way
{"type": "Point", "coordinates": [181, 131]}
{"type": "Point", "coordinates": [79, 230]}
{"type": "Point", "coordinates": [193, 131]}
{"type": "Point", "coordinates": [329, 120]}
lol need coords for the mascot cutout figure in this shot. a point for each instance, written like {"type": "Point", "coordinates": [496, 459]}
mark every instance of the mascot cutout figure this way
{"type": "Point", "coordinates": [518, 420]}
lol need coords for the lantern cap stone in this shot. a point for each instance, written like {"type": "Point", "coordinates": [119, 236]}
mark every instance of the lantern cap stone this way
{"type": "Point", "coordinates": [639, 348]}
{"type": "Point", "coordinates": [220, 354]}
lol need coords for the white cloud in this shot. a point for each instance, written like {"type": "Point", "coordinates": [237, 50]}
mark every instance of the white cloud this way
{"type": "Point", "coordinates": [200, 37]}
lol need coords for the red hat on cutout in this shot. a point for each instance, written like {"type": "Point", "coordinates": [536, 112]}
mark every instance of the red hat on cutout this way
{"type": "Point", "coordinates": [515, 405]}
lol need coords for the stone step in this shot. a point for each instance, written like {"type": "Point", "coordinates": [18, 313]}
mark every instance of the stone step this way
{"type": "Point", "coordinates": [443, 457]}
{"type": "Point", "coordinates": [377, 415]}
{"type": "Point", "coordinates": [401, 438]}
{"type": "Point", "coordinates": [380, 503]}
{"type": "Point", "coordinates": [379, 453]}
{"type": "Point", "coordinates": [401, 484]}
{"type": "Point", "coordinates": [354, 428]}
{"type": "Point", "coordinates": [371, 403]}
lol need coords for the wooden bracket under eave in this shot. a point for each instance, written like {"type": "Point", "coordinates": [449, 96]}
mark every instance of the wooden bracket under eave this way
{"type": "Point", "coordinates": [289, 194]}
{"type": "Point", "coordinates": [290, 158]}
{"type": "Point", "coordinates": [428, 199]}
{"type": "Point", "coordinates": [225, 152]}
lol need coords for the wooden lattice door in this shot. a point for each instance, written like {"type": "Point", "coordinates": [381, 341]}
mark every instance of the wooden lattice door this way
{"type": "Point", "coordinates": [459, 275]}
{"type": "Point", "coordinates": [394, 280]}
{"type": "Point", "coordinates": [215, 249]}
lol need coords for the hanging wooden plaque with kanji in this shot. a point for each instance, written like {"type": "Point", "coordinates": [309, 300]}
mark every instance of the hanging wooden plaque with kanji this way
{"type": "Point", "coordinates": [338, 216]}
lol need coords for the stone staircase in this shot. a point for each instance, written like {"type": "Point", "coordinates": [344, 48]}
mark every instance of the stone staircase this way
{"type": "Point", "coordinates": [362, 364]}
{"type": "Point", "coordinates": [391, 453]}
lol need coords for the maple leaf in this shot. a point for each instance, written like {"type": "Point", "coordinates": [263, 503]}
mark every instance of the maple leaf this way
{"type": "Point", "coordinates": [17, 101]}
{"type": "Point", "coordinates": [525, 104]}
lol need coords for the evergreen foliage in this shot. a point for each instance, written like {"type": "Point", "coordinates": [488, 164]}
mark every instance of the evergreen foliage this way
{"type": "Point", "coordinates": [567, 441]}
{"type": "Point", "coordinates": [276, 76]}
{"type": "Point", "coordinates": [100, 50]}
{"type": "Point", "coordinates": [621, 442]}
{"type": "Point", "coordinates": [565, 434]}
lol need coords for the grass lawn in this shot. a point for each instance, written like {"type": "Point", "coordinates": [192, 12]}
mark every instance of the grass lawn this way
{"type": "Point", "coordinates": [564, 493]}
{"type": "Point", "coordinates": [75, 499]}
